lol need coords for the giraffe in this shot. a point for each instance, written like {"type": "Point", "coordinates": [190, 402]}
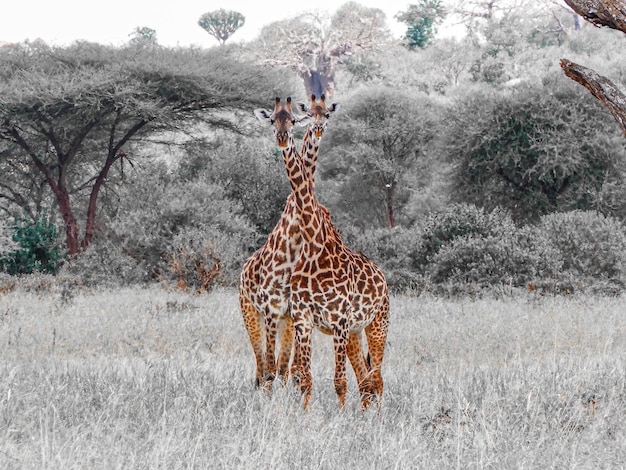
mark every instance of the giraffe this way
{"type": "Point", "coordinates": [333, 288]}
{"type": "Point", "coordinates": [264, 282]}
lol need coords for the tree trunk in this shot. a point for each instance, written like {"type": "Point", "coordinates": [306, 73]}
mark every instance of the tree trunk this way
{"type": "Point", "coordinates": [90, 226]}
{"type": "Point", "coordinates": [319, 79]}
{"type": "Point", "coordinates": [391, 218]}
{"type": "Point", "coordinates": [71, 226]}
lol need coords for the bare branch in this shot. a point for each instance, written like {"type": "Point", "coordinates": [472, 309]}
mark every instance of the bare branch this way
{"type": "Point", "coordinates": [600, 87]}
{"type": "Point", "coordinates": [611, 13]}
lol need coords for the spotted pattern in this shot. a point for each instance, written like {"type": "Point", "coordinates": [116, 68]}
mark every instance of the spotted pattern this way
{"type": "Point", "coordinates": [264, 288]}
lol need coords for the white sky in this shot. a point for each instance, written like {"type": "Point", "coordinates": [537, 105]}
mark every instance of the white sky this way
{"type": "Point", "coordinates": [176, 22]}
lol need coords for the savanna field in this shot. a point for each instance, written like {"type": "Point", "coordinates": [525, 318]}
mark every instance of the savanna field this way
{"type": "Point", "coordinates": [148, 378]}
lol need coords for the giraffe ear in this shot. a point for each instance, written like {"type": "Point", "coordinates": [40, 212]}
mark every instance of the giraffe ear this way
{"type": "Point", "coordinates": [333, 107]}
{"type": "Point", "coordinates": [302, 120]}
{"type": "Point", "coordinates": [302, 106]}
{"type": "Point", "coordinates": [262, 114]}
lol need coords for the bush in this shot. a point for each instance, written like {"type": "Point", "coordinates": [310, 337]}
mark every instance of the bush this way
{"type": "Point", "coordinates": [253, 176]}
{"type": "Point", "coordinates": [198, 257]}
{"type": "Point", "coordinates": [458, 220]}
{"type": "Point", "coordinates": [591, 249]}
{"type": "Point", "coordinates": [35, 247]}
{"type": "Point", "coordinates": [515, 257]}
{"type": "Point", "coordinates": [466, 245]}
{"type": "Point", "coordinates": [167, 229]}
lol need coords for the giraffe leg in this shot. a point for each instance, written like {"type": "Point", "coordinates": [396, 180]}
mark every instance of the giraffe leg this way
{"type": "Point", "coordinates": [254, 327]}
{"type": "Point", "coordinates": [340, 343]}
{"type": "Point", "coordinates": [295, 364]}
{"type": "Point", "coordinates": [286, 343]}
{"type": "Point", "coordinates": [303, 345]}
{"type": "Point", "coordinates": [376, 333]}
{"type": "Point", "coordinates": [271, 330]}
{"type": "Point", "coordinates": [355, 354]}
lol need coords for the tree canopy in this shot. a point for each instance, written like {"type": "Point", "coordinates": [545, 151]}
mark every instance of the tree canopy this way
{"type": "Point", "coordinates": [68, 115]}
{"type": "Point", "coordinates": [421, 20]}
{"type": "Point", "coordinates": [533, 152]}
{"type": "Point", "coordinates": [380, 135]}
{"type": "Point", "coordinates": [313, 45]}
{"type": "Point", "coordinates": [221, 24]}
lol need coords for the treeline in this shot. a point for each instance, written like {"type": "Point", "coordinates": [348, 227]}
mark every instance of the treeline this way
{"type": "Point", "coordinates": [461, 165]}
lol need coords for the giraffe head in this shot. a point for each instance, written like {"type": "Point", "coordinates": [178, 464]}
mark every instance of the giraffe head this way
{"type": "Point", "coordinates": [318, 114]}
{"type": "Point", "coordinates": [282, 119]}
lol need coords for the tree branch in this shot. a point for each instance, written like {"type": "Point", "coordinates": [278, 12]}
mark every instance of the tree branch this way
{"type": "Point", "coordinates": [600, 87]}
{"type": "Point", "coordinates": [113, 151]}
{"type": "Point", "coordinates": [611, 13]}
{"type": "Point", "coordinates": [77, 141]}
{"type": "Point", "coordinates": [19, 140]}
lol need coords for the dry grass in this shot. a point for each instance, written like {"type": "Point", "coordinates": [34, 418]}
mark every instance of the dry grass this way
{"type": "Point", "coordinates": [153, 379]}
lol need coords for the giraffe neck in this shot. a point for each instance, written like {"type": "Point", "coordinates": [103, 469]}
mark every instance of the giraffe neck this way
{"type": "Point", "coordinates": [309, 151]}
{"type": "Point", "coordinates": [309, 214]}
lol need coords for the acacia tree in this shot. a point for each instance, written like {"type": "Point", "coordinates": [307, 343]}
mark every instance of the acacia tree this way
{"type": "Point", "coordinates": [314, 46]}
{"type": "Point", "coordinates": [68, 115]}
{"type": "Point", "coordinates": [221, 24]}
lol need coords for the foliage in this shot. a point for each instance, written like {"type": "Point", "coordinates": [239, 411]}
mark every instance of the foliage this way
{"type": "Point", "coordinates": [68, 114]}
{"type": "Point", "coordinates": [457, 220]}
{"type": "Point", "coordinates": [143, 36]}
{"type": "Point", "coordinates": [163, 226]}
{"type": "Point", "coordinates": [591, 249]}
{"type": "Point", "coordinates": [533, 151]}
{"type": "Point", "coordinates": [35, 247]}
{"type": "Point", "coordinates": [379, 141]}
{"type": "Point", "coordinates": [421, 19]}
{"type": "Point", "coordinates": [467, 245]}
{"type": "Point", "coordinates": [250, 172]}
{"type": "Point", "coordinates": [221, 24]}
{"type": "Point", "coordinates": [514, 257]}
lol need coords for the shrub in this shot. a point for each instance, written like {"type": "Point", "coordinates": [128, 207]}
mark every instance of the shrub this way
{"type": "Point", "coordinates": [107, 262]}
{"type": "Point", "coordinates": [514, 257]}
{"type": "Point", "coordinates": [35, 247]}
{"type": "Point", "coordinates": [533, 150]}
{"type": "Point", "coordinates": [162, 232]}
{"type": "Point", "coordinates": [465, 245]}
{"type": "Point", "coordinates": [458, 220]}
{"type": "Point", "coordinates": [591, 249]}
